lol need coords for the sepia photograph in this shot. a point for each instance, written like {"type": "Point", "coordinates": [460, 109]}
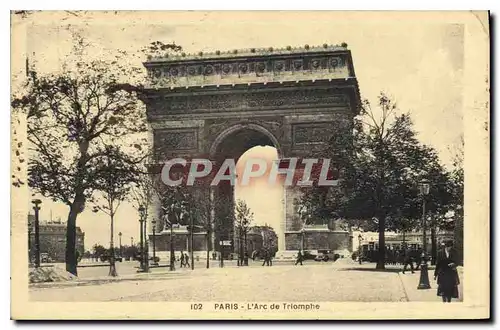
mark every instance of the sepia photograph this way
{"type": "Point", "coordinates": [250, 165]}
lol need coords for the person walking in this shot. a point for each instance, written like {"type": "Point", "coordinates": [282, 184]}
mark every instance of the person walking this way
{"type": "Point", "coordinates": [408, 260]}
{"type": "Point", "coordinates": [266, 258]}
{"type": "Point", "coordinates": [186, 260]}
{"type": "Point", "coordinates": [300, 257]}
{"type": "Point", "coordinates": [182, 259]}
{"type": "Point", "coordinates": [418, 258]}
{"type": "Point", "coordinates": [446, 273]}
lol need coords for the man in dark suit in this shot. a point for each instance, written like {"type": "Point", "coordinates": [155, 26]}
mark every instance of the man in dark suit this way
{"type": "Point", "coordinates": [300, 257]}
{"type": "Point", "coordinates": [407, 259]}
{"type": "Point", "coordinates": [446, 273]}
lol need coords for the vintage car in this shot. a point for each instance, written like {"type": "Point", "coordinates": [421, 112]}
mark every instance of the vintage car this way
{"type": "Point", "coordinates": [326, 255]}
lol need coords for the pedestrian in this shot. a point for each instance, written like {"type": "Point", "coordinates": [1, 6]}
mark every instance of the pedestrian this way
{"type": "Point", "coordinates": [266, 257]}
{"type": "Point", "coordinates": [300, 257]}
{"type": "Point", "coordinates": [408, 260]}
{"type": "Point", "coordinates": [182, 259]}
{"type": "Point", "coordinates": [446, 273]}
{"type": "Point", "coordinates": [418, 258]}
{"type": "Point", "coordinates": [186, 260]}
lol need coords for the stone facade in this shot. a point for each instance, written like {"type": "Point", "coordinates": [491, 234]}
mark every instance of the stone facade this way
{"type": "Point", "coordinates": [338, 240]}
{"type": "Point", "coordinates": [53, 239]}
{"type": "Point", "coordinates": [220, 105]}
{"type": "Point", "coordinates": [182, 242]}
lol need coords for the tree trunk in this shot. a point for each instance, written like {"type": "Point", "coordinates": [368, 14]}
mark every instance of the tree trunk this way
{"type": "Point", "coordinates": [208, 249]}
{"type": "Point", "coordinates": [433, 243]}
{"type": "Point", "coordinates": [112, 265]}
{"type": "Point", "coordinates": [76, 207]}
{"type": "Point", "coordinates": [381, 243]}
{"type": "Point", "coordinates": [71, 265]}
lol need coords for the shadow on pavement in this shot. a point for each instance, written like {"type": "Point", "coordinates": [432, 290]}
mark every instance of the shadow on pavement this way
{"type": "Point", "coordinates": [362, 269]}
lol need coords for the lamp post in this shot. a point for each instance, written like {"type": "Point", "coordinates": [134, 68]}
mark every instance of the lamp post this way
{"type": "Point", "coordinates": [146, 244]}
{"type": "Point", "coordinates": [245, 249]}
{"type": "Point", "coordinates": [423, 284]}
{"type": "Point", "coordinates": [141, 220]}
{"type": "Point", "coordinates": [36, 207]}
{"type": "Point", "coordinates": [360, 239]}
{"type": "Point", "coordinates": [171, 239]}
{"type": "Point", "coordinates": [30, 248]}
{"type": "Point", "coordinates": [153, 223]}
{"type": "Point", "coordinates": [120, 239]}
{"type": "Point", "coordinates": [131, 241]}
{"type": "Point", "coordinates": [191, 236]}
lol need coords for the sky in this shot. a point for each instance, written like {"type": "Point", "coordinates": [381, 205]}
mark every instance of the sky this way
{"type": "Point", "coordinates": [418, 62]}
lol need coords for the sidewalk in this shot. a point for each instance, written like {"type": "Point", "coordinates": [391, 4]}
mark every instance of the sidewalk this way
{"type": "Point", "coordinates": [410, 283]}
{"type": "Point", "coordinates": [164, 273]}
{"type": "Point", "coordinates": [156, 273]}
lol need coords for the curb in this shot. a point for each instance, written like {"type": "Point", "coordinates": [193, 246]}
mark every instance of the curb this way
{"type": "Point", "coordinates": [404, 288]}
{"type": "Point", "coordinates": [74, 283]}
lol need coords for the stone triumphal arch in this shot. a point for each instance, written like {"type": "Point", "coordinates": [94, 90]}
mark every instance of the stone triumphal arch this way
{"type": "Point", "coordinates": [219, 105]}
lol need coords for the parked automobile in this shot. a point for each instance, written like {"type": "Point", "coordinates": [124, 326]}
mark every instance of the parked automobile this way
{"type": "Point", "coordinates": [308, 255]}
{"type": "Point", "coordinates": [156, 259]}
{"type": "Point", "coordinates": [326, 255]}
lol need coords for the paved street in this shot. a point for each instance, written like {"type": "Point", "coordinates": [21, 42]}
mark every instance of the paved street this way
{"type": "Point", "coordinates": [343, 280]}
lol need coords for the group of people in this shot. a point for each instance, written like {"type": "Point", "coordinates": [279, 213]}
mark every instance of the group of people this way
{"type": "Point", "coordinates": [445, 273]}
{"type": "Point", "coordinates": [184, 260]}
{"type": "Point", "coordinates": [267, 256]}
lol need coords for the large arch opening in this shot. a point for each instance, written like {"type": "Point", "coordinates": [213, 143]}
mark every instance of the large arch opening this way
{"type": "Point", "coordinates": [265, 201]}
{"type": "Point", "coordinates": [242, 143]}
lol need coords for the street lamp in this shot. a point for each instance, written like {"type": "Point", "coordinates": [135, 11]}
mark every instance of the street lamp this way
{"type": "Point", "coordinates": [141, 220]}
{"type": "Point", "coordinates": [360, 238]}
{"type": "Point", "coordinates": [171, 241]}
{"type": "Point", "coordinates": [146, 243]}
{"type": "Point", "coordinates": [153, 222]}
{"type": "Point", "coordinates": [36, 207]}
{"type": "Point", "coordinates": [423, 284]}
{"type": "Point", "coordinates": [30, 243]}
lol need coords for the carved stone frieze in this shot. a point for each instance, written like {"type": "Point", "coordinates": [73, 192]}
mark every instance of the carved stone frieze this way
{"type": "Point", "coordinates": [249, 66]}
{"type": "Point", "coordinates": [290, 65]}
{"type": "Point", "coordinates": [176, 139]}
{"type": "Point", "coordinates": [249, 100]}
{"type": "Point", "coordinates": [311, 133]}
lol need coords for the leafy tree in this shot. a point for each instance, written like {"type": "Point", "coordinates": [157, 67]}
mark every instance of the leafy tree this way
{"type": "Point", "coordinates": [113, 179]}
{"type": "Point", "coordinates": [99, 250]}
{"type": "Point", "coordinates": [380, 164]}
{"type": "Point", "coordinates": [130, 251]}
{"type": "Point", "coordinates": [204, 214]}
{"type": "Point", "coordinates": [243, 219]}
{"type": "Point", "coordinates": [175, 208]}
{"type": "Point", "coordinates": [456, 187]}
{"type": "Point", "coordinates": [87, 254]}
{"type": "Point", "coordinates": [71, 117]}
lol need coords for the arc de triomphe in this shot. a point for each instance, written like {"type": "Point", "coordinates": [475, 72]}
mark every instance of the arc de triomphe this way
{"type": "Point", "coordinates": [221, 104]}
